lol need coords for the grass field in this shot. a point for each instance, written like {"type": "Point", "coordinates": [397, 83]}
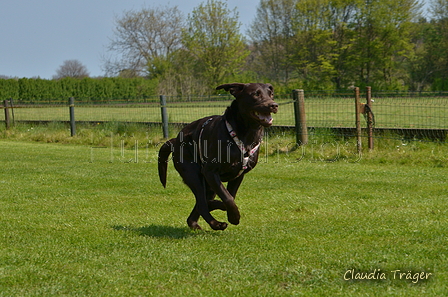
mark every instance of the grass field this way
{"type": "Point", "coordinates": [423, 113]}
{"type": "Point", "coordinates": [78, 220]}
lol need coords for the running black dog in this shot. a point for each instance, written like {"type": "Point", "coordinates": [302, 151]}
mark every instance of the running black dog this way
{"type": "Point", "coordinates": [220, 149]}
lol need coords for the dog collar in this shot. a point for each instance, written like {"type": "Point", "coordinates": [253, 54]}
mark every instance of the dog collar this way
{"type": "Point", "coordinates": [245, 154]}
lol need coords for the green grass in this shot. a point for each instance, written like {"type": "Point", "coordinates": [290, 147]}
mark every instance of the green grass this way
{"type": "Point", "coordinates": [428, 113]}
{"type": "Point", "coordinates": [83, 221]}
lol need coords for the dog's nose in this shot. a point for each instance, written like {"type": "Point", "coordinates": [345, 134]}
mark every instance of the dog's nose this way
{"type": "Point", "coordinates": [274, 106]}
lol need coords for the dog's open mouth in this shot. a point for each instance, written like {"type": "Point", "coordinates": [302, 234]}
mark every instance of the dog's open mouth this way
{"type": "Point", "coordinates": [265, 118]}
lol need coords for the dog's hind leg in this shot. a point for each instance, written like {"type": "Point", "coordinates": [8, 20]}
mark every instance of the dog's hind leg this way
{"type": "Point", "coordinates": [193, 218]}
{"type": "Point", "coordinates": [212, 204]}
{"type": "Point", "coordinates": [198, 186]}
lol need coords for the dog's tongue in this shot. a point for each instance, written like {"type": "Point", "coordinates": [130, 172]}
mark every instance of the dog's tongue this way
{"type": "Point", "coordinates": [267, 118]}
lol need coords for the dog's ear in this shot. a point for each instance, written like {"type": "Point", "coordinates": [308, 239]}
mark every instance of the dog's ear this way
{"type": "Point", "coordinates": [234, 88]}
{"type": "Point", "coordinates": [270, 87]}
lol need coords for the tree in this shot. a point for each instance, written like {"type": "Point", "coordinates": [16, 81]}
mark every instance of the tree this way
{"type": "Point", "coordinates": [272, 34]}
{"type": "Point", "coordinates": [214, 42]}
{"type": "Point", "coordinates": [422, 66]}
{"type": "Point", "coordinates": [71, 68]}
{"type": "Point", "coordinates": [144, 41]}
{"type": "Point", "coordinates": [436, 43]}
{"type": "Point", "coordinates": [383, 42]}
{"type": "Point", "coordinates": [314, 58]}
{"type": "Point", "coordinates": [340, 18]}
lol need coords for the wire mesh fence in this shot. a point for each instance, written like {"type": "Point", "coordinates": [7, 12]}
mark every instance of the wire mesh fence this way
{"type": "Point", "coordinates": [417, 112]}
{"type": "Point", "coordinates": [395, 112]}
{"type": "Point", "coordinates": [88, 112]}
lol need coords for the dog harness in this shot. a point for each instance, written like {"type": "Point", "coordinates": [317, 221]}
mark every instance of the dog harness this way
{"type": "Point", "coordinates": [244, 153]}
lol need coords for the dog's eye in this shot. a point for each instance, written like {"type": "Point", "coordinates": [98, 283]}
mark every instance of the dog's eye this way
{"type": "Point", "coordinates": [256, 93]}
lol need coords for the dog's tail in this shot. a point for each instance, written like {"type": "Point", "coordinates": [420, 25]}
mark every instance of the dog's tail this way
{"type": "Point", "coordinates": [164, 154]}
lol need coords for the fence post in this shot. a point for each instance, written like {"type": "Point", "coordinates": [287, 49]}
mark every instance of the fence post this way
{"type": "Point", "coordinates": [7, 118]}
{"type": "Point", "coordinates": [71, 105]}
{"type": "Point", "coordinates": [11, 102]}
{"type": "Point", "coordinates": [358, 120]}
{"type": "Point", "coordinates": [369, 117]}
{"type": "Point", "coordinates": [300, 117]}
{"type": "Point", "coordinates": [164, 116]}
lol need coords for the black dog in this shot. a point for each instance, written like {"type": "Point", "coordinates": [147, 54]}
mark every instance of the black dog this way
{"type": "Point", "coordinates": [220, 149]}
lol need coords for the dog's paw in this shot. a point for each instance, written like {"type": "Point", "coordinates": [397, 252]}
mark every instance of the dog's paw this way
{"type": "Point", "coordinates": [193, 225]}
{"type": "Point", "coordinates": [233, 217]}
{"type": "Point", "coordinates": [218, 225]}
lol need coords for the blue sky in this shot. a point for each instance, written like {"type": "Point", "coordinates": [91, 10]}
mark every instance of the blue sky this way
{"type": "Point", "coordinates": [36, 37]}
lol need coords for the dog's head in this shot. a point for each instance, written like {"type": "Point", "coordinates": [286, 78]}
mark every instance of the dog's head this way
{"type": "Point", "coordinates": [255, 100]}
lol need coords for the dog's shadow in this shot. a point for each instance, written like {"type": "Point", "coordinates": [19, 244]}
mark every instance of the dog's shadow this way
{"type": "Point", "coordinates": [160, 231]}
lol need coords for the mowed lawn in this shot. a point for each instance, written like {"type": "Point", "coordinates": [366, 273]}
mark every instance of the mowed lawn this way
{"type": "Point", "coordinates": [77, 221]}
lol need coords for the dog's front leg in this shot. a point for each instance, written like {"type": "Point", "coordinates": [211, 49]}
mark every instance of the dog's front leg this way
{"type": "Point", "coordinates": [234, 184]}
{"type": "Point", "coordinates": [214, 181]}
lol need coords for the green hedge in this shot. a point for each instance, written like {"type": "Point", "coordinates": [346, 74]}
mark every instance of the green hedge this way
{"type": "Point", "coordinates": [87, 89]}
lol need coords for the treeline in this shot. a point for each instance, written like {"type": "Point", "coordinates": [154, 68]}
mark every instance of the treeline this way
{"type": "Point", "coordinates": [309, 44]}
{"type": "Point", "coordinates": [86, 89]}
{"type": "Point", "coordinates": [336, 44]}
{"type": "Point", "coordinates": [313, 45]}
